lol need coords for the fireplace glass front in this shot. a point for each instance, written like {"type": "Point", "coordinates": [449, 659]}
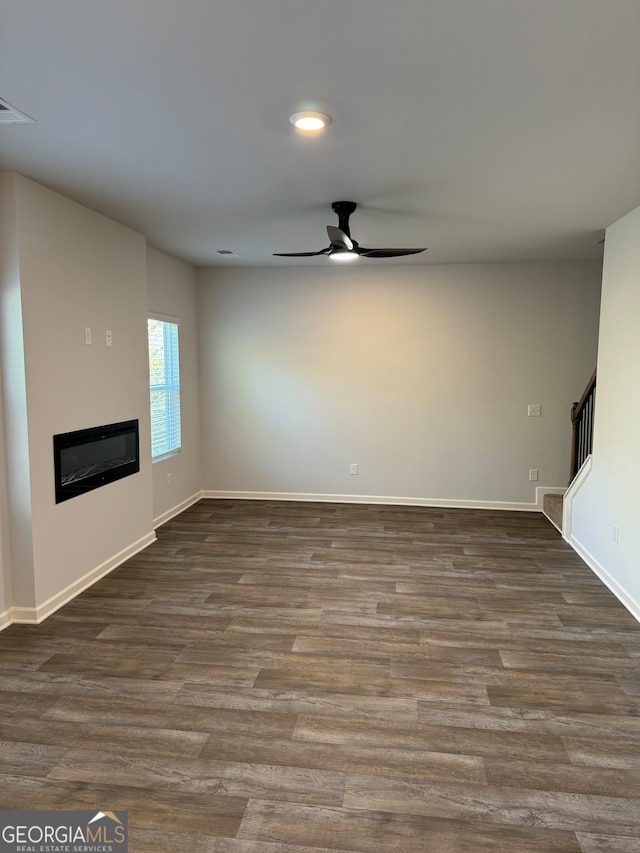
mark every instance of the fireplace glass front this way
{"type": "Point", "coordinates": [89, 458]}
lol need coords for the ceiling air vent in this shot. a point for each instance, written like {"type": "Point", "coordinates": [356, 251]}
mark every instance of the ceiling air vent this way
{"type": "Point", "coordinates": [10, 115]}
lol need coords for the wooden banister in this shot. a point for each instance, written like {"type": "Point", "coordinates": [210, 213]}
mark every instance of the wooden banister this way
{"type": "Point", "coordinates": [582, 413]}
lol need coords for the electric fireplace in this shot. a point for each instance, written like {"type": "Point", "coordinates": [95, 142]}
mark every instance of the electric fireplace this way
{"type": "Point", "coordinates": [89, 458]}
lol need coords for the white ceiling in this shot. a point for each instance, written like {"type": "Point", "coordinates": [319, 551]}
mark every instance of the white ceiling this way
{"type": "Point", "coordinates": [487, 130]}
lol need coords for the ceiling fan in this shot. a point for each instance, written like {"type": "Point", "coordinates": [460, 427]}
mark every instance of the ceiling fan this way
{"type": "Point", "coordinates": [342, 247]}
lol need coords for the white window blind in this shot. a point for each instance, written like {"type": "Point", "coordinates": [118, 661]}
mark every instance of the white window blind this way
{"type": "Point", "coordinates": [164, 385]}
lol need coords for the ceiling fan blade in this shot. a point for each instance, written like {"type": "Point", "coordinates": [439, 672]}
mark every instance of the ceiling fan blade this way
{"type": "Point", "coordinates": [339, 240]}
{"type": "Point", "coordinates": [301, 254]}
{"type": "Point", "coordinates": [387, 253]}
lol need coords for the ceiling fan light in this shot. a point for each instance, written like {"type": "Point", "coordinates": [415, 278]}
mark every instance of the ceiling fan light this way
{"type": "Point", "coordinates": [310, 121]}
{"type": "Point", "coordinates": [343, 256]}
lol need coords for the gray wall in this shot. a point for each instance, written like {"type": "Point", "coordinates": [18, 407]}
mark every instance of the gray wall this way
{"type": "Point", "coordinates": [421, 375]}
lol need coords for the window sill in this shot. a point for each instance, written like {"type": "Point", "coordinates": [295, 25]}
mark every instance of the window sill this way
{"type": "Point", "coordinates": [170, 455]}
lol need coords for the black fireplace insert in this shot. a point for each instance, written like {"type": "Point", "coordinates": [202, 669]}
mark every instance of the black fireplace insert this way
{"type": "Point", "coordinates": [89, 458]}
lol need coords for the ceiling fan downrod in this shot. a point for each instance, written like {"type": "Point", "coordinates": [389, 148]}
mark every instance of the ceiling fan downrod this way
{"type": "Point", "coordinates": [344, 209]}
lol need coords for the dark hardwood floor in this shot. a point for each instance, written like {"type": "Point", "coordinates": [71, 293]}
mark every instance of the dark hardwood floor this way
{"type": "Point", "coordinates": [275, 677]}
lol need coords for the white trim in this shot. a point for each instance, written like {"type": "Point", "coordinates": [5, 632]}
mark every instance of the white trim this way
{"type": "Point", "coordinates": [597, 568]}
{"type": "Point", "coordinates": [35, 615]}
{"type": "Point", "coordinates": [620, 592]}
{"type": "Point", "coordinates": [176, 510]}
{"type": "Point", "coordinates": [164, 318]}
{"type": "Point", "coordinates": [371, 499]}
{"type": "Point", "coordinates": [5, 619]}
{"type": "Point", "coordinates": [567, 507]}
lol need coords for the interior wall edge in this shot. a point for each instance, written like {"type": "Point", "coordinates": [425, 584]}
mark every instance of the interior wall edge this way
{"type": "Point", "coordinates": [5, 619]}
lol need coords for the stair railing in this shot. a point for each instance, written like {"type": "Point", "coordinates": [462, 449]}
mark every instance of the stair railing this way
{"type": "Point", "coordinates": [582, 414]}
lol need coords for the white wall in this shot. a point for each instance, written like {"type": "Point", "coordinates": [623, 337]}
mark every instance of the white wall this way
{"type": "Point", "coordinates": [609, 496]}
{"type": "Point", "coordinates": [76, 269]}
{"type": "Point", "coordinates": [421, 375]}
{"type": "Point", "coordinates": [172, 294]}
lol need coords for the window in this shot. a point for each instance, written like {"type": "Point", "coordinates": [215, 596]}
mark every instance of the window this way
{"type": "Point", "coordinates": [164, 384]}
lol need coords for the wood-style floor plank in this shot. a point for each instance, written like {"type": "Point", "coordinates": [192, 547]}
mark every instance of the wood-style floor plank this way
{"type": "Point", "coordinates": [281, 677]}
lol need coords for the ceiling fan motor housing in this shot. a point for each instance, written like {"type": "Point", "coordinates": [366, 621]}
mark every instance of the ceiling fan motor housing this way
{"type": "Point", "coordinates": [344, 209]}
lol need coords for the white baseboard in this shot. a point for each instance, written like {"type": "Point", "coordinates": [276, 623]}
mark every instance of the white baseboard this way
{"type": "Point", "coordinates": [598, 569]}
{"type": "Point", "coordinates": [5, 619]}
{"type": "Point", "coordinates": [35, 615]}
{"type": "Point", "coordinates": [176, 510]}
{"type": "Point", "coordinates": [373, 499]}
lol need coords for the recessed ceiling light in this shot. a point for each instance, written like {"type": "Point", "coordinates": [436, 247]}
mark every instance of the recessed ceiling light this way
{"type": "Point", "coordinates": [310, 121]}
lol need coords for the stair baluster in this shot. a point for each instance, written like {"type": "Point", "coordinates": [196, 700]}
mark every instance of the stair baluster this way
{"type": "Point", "coordinates": [582, 419]}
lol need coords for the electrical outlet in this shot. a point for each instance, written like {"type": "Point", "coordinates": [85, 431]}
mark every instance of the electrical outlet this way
{"type": "Point", "coordinates": [616, 533]}
{"type": "Point", "coordinates": [353, 468]}
{"type": "Point", "coordinates": [109, 338]}
{"type": "Point", "coordinates": [534, 410]}
{"type": "Point", "coordinates": [533, 473]}
{"type": "Point", "coordinates": [87, 336]}
{"type": "Point", "coordinates": [169, 479]}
